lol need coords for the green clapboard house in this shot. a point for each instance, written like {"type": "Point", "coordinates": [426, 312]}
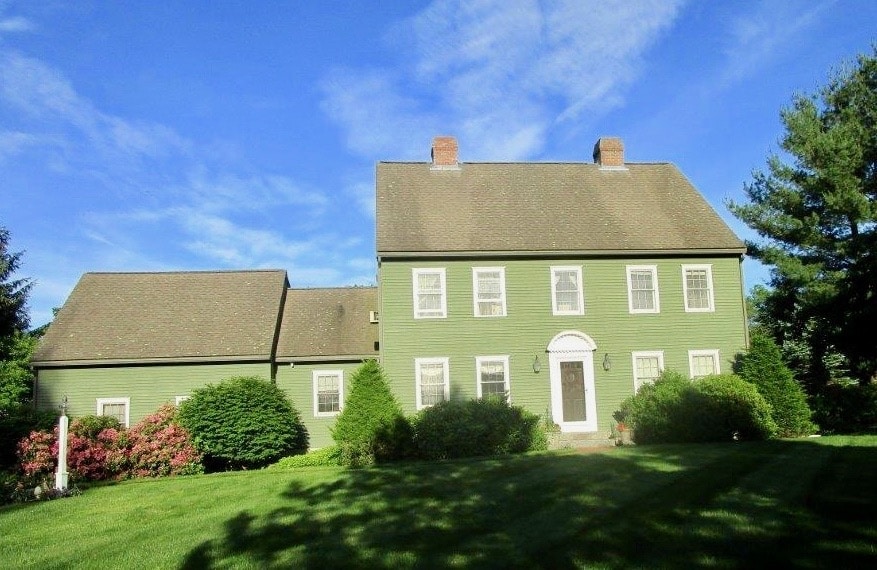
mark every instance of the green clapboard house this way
{"type": "Point", "coordinates": [563, 286]}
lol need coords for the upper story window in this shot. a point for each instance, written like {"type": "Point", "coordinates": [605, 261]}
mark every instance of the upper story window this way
{"type": "Point", "coordinates": [703, 363]}
{"type": "Point", "coordinates": [697, 286]}
{"type": "Point", "coordinates": [119, 408]}
{"type": "Point", "coordinates": [488, 291]}
{"type": "Point", "coordinates": [647, 367]}
{"type": "Point", "coordinates": [328, 392]}
{"type": "Point", "coordinates": [566, 290]}
{"type": "Point", "coordinates": [642, 289]}
{"type": "Point", "coordinates": [430, 301]}
{"type": "Point", "coordinates": [432, 381]}
{"type": "Point", "coordinates": [493, 376]}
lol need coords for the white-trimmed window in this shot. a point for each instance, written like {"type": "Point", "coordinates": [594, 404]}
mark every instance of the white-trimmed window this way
{"type": "Point", "coordinates": [118, 408]}
{"type": "Point", "coordinates": [703, 363]}
{"type": "Point", "coordinates": [647, 366]}
{"type": "Point", "coordinates": [328, 392]}
{"type": "Point", "coordinates": [488, 291]}
{"type": "Point", "coordinates": [566, 290]}
{"type": "Point", "coordinates": [492, 376]}
{"type": "Point", "coordinates": [180, 399]}
{"type": "Point", "coordinates": [430, 301]}
{"type": "Point", "coordinates": [432, 376]}
{"type": "Point", "coordinates": [697, 287]}
{"type": "Point", "coordinates": [642, 289]}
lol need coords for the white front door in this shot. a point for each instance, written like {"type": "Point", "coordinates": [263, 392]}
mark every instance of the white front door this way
{"type": "Point", "coordinates": [573, 401]}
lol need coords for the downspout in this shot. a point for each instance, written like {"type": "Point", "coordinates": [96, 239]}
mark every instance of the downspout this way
{"type": "Point", "coordinates": [745, 311]}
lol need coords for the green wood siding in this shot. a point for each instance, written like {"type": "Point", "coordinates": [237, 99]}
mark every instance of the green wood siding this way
{"type": "Point", "coordinates": [297, 382]}
{"type": "Point", "coordinates": [529, 326]}
{"type": "Point", "coordinates": [148, 387]}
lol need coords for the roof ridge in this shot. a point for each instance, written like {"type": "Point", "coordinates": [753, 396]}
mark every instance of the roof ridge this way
{"type": "Point", "coordinates": [526, 162]}
{"type": "Point", "coordinates": [185, 272]}
{"type": "Point", "coordinates": [334, 288]}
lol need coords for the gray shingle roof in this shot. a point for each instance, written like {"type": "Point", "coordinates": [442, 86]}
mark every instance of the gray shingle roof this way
{"type": "Point", "coordinates": [177, 316]}
{"type": "Point", "coordinates": [332, 322]}
{"type": "Point", "coordinates": [517, 208]}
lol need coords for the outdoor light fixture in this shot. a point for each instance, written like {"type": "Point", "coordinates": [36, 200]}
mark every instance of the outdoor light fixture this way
{"type": "Point", "coordinates": [607, 362]}
{"type": "Point", "coordinates": [537, 366]}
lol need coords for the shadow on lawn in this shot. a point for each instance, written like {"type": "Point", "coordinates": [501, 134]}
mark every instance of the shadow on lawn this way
{"type": "Point", "coordinates": [781, 503]}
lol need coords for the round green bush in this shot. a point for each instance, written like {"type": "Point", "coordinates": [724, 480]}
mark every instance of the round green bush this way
{"type": "Point", "coordinates": [371, 426]}
{"type": "Point", "coordinates": [16, 422]}
{"type": "Point", "coordinates": [242, 423]}
{"type": "Point", "coordinates": [724, 408]}
{"type": "Point", "coordinates": [473, 428]}
{"type": "Point", "coordinates": [653, 413]}
{"type": "Point", "coordinates": [90, 426]}
{"type": "Point", "coordinates": [763, 366]}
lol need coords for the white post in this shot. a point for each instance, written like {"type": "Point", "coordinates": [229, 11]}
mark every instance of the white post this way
{"type": "Point", "coordinates": [61, 473]}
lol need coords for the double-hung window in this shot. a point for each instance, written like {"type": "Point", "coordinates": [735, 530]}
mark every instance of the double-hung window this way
{"type": "Point", "coordinates": [118, 408]}
{"type": "Point", "coordinates": [697, 286]}
{"type": "Point", "coordinates": [328, 392]}
{"type": "Point", "coordinates": [430, 301]}
{"type": "Point", "coordinates": [566, 290]}
{"type": "Point", "coordinates": [488, 291]}
{"type": "Point", "coordinates": [647, 367]}
{"type": "Point", "coordinates": [432, 384]}
{"type": "Point", "coordinates": [492, 376]}
{"type": "Point", "coordinates": [642, 289]}
{"type": "Point", "coordinates": [703, 363]}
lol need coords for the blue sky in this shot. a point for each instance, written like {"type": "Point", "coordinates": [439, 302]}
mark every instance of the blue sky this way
{"type": "Point", "coordinates": [217, 135]}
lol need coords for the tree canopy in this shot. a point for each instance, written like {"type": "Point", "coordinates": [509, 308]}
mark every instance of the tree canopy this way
{"type": "Point", "coordinates": [816, 211]}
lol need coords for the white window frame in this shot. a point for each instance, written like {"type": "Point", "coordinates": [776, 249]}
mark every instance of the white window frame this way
{"type": "Point", "coordinates": [180, 399]}
{"type": "Point", "coordinates": [714, 352]}
{"type": "Point", "coordinates": [476, 299]}
{"type": "Point", "coordinates": [638, 382]}
{"type": "Point", "coordinates": [315, 375]}
{"type": "Point", "coordinates": [581, 295]}
{"type": "Point", "coordinates": [656, 300]}
{"type": "Point", "coordinates": [446, 372]}
{"type": "Point", "coordinates": [442, 312]}
{"type": "Point", "coordinates": [479, 360]}
{"type": "Point", "coordinates": [709, 280]}
{"type": "Point", "coordinates": [101, 402]}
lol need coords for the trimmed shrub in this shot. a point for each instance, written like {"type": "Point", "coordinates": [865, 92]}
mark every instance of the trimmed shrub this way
{"type": "Point", "coordinates": [90, 426]}
{"type": "Point", "coordinates": [763, 366]}
{"type": "Point", "coordinates": [653, 413]}
{"type": "Point", "coordinates": [242, 423]}
{"type": "Point", "coordinates": [725, 408]}
{"type": "Point", "coordinates": [371, 426]}
{"type": "Point", "coordinates": [325, 457]}
{"type": "Point", "coordinates": [846, 408]}
{"type": "Point", "coordinates": [715, 408]}
{"type": "Point", "coordinates": [473, 428]}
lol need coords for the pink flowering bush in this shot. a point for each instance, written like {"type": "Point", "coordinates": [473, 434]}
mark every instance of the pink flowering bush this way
{"type": "Point", "coordinates": [155, 447]}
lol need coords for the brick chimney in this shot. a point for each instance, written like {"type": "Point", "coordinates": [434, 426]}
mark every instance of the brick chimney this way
{"type": "Point", "coordinates": [444, 152]}
{"type": "Point", "coordinates": [609, 152]}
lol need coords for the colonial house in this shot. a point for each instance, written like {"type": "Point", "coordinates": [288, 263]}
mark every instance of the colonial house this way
{"type": "Point", "coordinates": [563, 286]}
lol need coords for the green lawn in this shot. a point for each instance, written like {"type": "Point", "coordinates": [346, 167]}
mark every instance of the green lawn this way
{"type": "Point", "coordinates": [809, 503]}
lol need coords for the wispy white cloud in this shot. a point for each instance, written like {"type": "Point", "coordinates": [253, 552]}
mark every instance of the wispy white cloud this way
{"type": "Point", "coordinates": [758, 35]}
{"type": "Point", "coordinates": [15, 24]}
{"type": "Point", "coordinates": [501, 74]}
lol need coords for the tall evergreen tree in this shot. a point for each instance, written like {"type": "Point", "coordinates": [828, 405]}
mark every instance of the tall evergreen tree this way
{"type": "Point", "coordinates": [816, 210]}
{"type": "Point", "coordinates": [13, 294]}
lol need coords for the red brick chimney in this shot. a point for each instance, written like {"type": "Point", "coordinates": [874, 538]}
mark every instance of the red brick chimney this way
{"type": "Point", "coordinates": [444, 152]}
{"type": "Point", "coordinates": [609, 151]}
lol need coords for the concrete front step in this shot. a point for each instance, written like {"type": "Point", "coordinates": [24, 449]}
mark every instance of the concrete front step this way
{"type": "Point", "coordinates": [559, 440]}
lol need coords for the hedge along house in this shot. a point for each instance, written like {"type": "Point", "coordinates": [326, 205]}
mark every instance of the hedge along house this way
{"type": "Point", "coordinates": [562, 285]}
